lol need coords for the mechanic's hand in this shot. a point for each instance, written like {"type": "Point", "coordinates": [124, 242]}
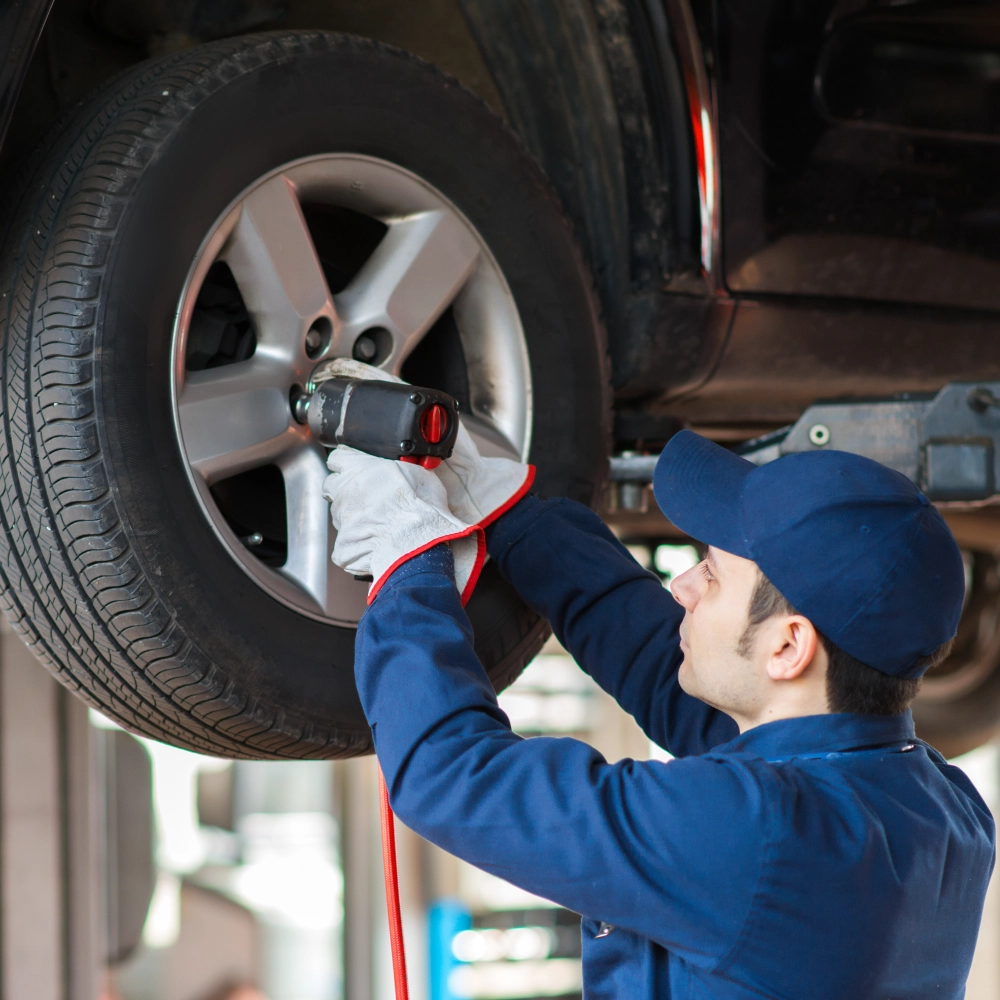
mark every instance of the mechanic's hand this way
{"type": "Point", "coordinates": [385, 512]}
{"type": "Point", "coordinates": [349, 368]}
{"type": "Point", "coordinates": [481, 489]}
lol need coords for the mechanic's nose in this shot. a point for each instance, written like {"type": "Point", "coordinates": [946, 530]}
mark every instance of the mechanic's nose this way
{"type": "Point", "coordinates": [686, 588]}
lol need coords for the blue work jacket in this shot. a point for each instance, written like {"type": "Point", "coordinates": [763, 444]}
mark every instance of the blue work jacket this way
{"type": "Point", "coordinates": [829, 857]}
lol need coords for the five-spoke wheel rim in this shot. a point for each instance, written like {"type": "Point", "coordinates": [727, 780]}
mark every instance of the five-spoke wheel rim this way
{"type": "Point", "coordinates": [235, 417]}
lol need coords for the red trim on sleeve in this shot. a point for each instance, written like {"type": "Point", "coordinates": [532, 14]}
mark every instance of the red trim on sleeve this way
{"type": "Point", "coordinates": [489, 519]}
{"type": "Point", "coordinates": [480, 543]}
{"type": "Point", "coordinates": [504, 507]}
{"type": "Point", "coordinates": [470, 585]}
{"type": "Point", "coordinates": [377, 585]}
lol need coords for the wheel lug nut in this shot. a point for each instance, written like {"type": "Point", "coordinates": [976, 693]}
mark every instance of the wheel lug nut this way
{"type": "Point", "coordinates": [318, 337]}
{"type": "Point", "coordinates": [299, 400]}
{"type": "Point", "coordinates": [365, 348]}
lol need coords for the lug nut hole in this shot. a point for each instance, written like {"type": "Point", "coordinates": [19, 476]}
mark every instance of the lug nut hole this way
{"type": "Point", "coordinates": [318, 338]}
{"type": "Point", "coordinates": [365, 348]}
{"type": "Point", "coordinates": [373, 346]}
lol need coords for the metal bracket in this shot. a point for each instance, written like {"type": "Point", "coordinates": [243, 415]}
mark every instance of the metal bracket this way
{"type": "Point", "coordinates": [947, 443]}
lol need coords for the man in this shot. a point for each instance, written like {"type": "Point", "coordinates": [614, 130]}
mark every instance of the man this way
{"type": "Point", "coordinates": [804, 844]}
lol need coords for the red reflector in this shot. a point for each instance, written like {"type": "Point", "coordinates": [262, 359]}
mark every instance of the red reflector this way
{"type": "Point", "coordinates": [434, 423]}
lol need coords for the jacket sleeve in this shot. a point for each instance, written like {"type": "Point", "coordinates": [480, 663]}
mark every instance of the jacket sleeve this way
{"type": "Point", "coordinates": [670, 851]}
{"type": "Point", "coordinates": [616, 620]}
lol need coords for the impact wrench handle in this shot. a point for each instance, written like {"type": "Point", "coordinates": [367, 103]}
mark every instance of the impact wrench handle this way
{"type": "Point", "coordinates": [385, 419]}
{"type": "Point", "coordinates": [392, 891]}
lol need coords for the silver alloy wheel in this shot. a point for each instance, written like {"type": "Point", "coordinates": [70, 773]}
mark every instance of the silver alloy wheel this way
{"type": "Point", "coordinates": [237, 417]}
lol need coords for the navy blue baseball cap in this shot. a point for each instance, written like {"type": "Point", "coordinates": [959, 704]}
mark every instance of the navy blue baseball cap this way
{"type": "Point", "coordinates": [852, 545]}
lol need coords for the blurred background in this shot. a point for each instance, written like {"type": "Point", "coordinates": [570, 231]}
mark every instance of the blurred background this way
{"type": "Point", "coordinates": [137, 871]}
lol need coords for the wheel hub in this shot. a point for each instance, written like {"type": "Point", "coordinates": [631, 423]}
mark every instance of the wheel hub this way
{"type": "Point", "coordinates": [269, 298]}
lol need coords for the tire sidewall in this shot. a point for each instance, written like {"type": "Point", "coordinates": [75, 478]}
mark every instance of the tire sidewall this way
{"type": "Point", "coordinates": [320, 95]}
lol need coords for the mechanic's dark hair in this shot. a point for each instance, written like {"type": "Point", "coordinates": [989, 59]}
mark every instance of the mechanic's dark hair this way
{"type": "Point", "coordinates": [851, 686]}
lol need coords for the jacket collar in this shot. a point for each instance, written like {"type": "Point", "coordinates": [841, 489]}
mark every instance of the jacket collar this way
{"type": "Point", "coordinates": [819, 734]}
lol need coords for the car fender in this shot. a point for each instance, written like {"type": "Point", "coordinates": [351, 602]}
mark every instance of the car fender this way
{"type": "Point", "coordinates": [21, 24]}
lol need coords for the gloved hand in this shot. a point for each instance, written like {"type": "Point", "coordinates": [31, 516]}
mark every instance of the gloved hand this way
{"type": "Point", "coordinates": [386, 512]}
{"type": "Point", "coordinates": [479, 489]}
{"type": "Point", "coordinates": [349, 368]}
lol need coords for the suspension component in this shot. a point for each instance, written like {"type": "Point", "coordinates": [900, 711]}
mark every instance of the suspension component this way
{"type": "Point", "coordinates": [947, 442]}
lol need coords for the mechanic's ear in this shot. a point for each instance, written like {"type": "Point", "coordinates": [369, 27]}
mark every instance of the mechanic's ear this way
{"type": "Point", "coordinates": [793, 644]}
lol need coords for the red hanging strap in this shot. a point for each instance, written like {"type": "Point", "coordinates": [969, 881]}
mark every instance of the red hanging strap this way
{"type": "Point", "coordinates": [392, 891]}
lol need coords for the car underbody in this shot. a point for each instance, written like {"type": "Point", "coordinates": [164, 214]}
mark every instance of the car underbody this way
{"type": "Point", "coordinates": [765, 230]}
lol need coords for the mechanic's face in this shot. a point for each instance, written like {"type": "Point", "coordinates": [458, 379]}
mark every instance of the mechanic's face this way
{"type": "Point", "coordinates": [716, 595]}
{"type": "Point", "coordinates": [780, 673]}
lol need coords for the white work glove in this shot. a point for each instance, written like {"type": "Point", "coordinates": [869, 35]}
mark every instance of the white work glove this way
{"type": "Point", "coordinates": [479, 489]}
{"type": "Point", "coordinates": [349, 368]}
{"type": "Point", "coordinates": [386, 512]}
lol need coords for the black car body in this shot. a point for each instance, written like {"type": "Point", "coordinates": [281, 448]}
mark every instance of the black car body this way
{"type": "Point", "coordinates": [780, 202]}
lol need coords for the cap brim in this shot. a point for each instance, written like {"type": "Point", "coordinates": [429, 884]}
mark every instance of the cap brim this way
{"type": "Point", "coordinates": [697, 485]}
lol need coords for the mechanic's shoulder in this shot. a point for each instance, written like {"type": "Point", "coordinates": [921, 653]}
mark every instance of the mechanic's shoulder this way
{"type": "Point", "coordinates": [963, 796]}
{"type": "Point", "coordinates": [743, 778]}
{"type": "Point", "coordinates": [706, 805]}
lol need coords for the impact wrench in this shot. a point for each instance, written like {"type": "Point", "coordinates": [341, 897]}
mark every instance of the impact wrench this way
{"type": "Point", "coordinates": [386, 419]}
{"type": "Point", "coordinates": [411, 424]}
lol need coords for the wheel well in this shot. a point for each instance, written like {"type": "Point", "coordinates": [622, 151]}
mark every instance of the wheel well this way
{"type": "Point", "coordinates": [594, 90]}
{"type": "Point", "coordinates": [85, 43]}
{"type": "Point", "coordinates": [591, 86]}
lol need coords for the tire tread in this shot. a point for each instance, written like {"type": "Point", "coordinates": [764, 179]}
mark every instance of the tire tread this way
{"type": "Point", "coordinates": [71, 581]}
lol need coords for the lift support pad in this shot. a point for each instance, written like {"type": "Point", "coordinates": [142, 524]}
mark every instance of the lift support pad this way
{"type": "Point", "coordinates": [947, 443]}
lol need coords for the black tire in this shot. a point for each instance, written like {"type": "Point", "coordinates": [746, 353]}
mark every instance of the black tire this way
{"type": "Point", "coordinates": [110, 570]}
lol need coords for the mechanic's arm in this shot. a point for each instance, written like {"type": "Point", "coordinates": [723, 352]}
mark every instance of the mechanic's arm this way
{"type": "Point", "coordinates": [616, 620]}
{"type": "Point", "coordinates": [670, 851]}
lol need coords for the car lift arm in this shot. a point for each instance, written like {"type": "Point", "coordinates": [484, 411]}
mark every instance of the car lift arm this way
{"type": "Point", "coordinates": [947, 443]}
